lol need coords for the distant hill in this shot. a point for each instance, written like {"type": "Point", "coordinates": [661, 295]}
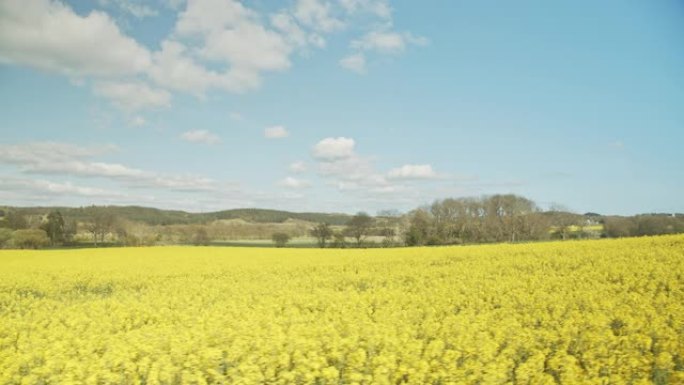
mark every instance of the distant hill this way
{"type": "Point", "coordinates": [277, 216]}
{"type": "Point", "coordinates": [153, 216]}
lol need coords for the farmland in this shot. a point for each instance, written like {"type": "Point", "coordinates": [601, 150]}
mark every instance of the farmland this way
{"type": "Point", "coordinates": [576, 312]}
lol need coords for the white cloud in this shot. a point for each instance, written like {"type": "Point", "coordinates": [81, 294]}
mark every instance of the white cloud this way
{"type": "Point", "coordinates": [298, 167]}
{"type": "Point", "coordinates": [352, 168]}
{"type": "Point", "coordinates": [137, 10]}
{"type": "Point", "coordinates": [354, 62]}
{"type": "Point", "coordinates": [88, 169]}
{"type": "Point", "coordinates": [248, 46]}
{"type": "Point", "coordinates": [346, 170]}
{"type": "Point", "coordinates": [133, 96]}
{"type": "Point", "coordinates": [379, 8]}
{"type": "Point", "coordinates": [416, 40]}
{"type": "Point", "coordinates": [230, 35]}
{"type": "Point", "coordinates": [51, 158]}
{"type": "Point", "coordinates": [294, 183]}
{"type": "Point", "coordinates": [316, 14]}
{"type": "Point", "coordinates": [294, 33]}
{"type": "Point", "coordinates": [387, 41]}
{"type": "Point", "coordinates": [185, 183]}
{"type": "Point", "coordinates": [381, 39]}
{"type": "Point", "coordinates": [276, 132]}
{"type": "Point", "coordinates": [138, 121]}
{"type": "Point", "coordinates": [174, 69]}
{"type": "Point", "coordinates": [413, 171]}
{"type": "Point", "coordinates": [51, 36]}
{"type": "Point", "coordinates": [44, 187]}
{"type": "Point", "coordinates": [205, 16]}
{"type": "Point", "coordinates": [34, 153]}
{"type": "Point", "coordinates": [215, 44]}
{"type": "Point", "coordinates": [200, 136]}
{"type": "Point", "coordinates": [330, 149]}
{"type": "Point", "coordinates": [352, 173]}
{"type": "Point", "coordinates": [174, 4]}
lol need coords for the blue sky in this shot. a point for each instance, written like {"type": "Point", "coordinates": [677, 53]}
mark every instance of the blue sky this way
{"type": "Point", "coordinates": [342, 105]}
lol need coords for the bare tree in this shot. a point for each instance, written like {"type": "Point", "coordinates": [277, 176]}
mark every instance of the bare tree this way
{"type": "Point", "coordinates": [562, 221]}
{"type": "Point", "coordinates": [101, 223]}
{"type": "Point", "coordinates": [359, 226]}
{"type": "Point", "coordinates": [322, 232]}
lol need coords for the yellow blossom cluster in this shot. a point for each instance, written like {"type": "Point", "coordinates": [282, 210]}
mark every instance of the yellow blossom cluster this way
{"type": "Point", "coordinates": [579, 312]}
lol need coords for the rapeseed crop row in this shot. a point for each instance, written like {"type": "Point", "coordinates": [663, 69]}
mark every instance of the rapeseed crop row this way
{"type": "Point", "coordinates": [589, 312]}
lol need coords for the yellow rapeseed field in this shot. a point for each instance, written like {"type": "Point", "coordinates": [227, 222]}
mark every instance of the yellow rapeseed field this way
{"type": "Point", "coordinates": [580, 312]}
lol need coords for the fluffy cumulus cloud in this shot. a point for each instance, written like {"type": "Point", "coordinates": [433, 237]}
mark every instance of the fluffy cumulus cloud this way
{"type": "Point", "coordinates": [344, 168]}
{"type": "Point", "coordinates": [330, 149]}
{"type": "Point", "coordinates": [219, 45]}
{"type": "Point", "coordinates": [174, 69]}
{"type": "Point", "coordinates": [317, 14]}
{"type": "Point", "coordinates": [276, 132]}
{"type": "Point", "coordinates": [413, 171]}
{"type": "Point", "coordinates": [234, 34]}
{"type": "Point", "coordinates": [357, 175]}
{"type": "Point", "coordinates": [49, 35]}
{"type": "Point", "coordinates": [200, 136]}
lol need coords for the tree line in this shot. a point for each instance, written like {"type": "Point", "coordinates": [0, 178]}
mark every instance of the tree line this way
{"type": "Point", "coordinates": [486, 219]}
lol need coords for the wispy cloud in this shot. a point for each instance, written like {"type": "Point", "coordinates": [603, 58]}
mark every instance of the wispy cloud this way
{"type": "Point", "coordinates": [355, 62]}
{"type": "Point", "coordinates": [133, 96]}
{"type": "Point", "coordinates": [294, 183]}
{"type": "Point", "coordinates": [298, 167]}
{"type": "Point", "coordinates": [200, 136]}
{"type": "Point", "coordinates": [276, 132]}
{"type": "Point", "coordinates": [137, 10]}
{"type": "Point", "coordinates": [53, 158]}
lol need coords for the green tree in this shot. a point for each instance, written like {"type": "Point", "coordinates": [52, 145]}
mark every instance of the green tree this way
{"type": "Point", "coordinates": [418, 231]}
{"type": "Point", "coordinates": [30, 238]}
{"type": "Point", "coordinates": [5, 237]}
{"type": "Point", "coordinates": [16, 221]}
{"type": "Point", "coordinates": [322, 232]}
{"type": "Point", "coordinates": [359, 226]}
{"type": "Point", "coordinates": [54, 227]}
{"type": "Point", "coordinates": [280, 239]}
{"type": "Point", "coordinates": [339, 240]}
